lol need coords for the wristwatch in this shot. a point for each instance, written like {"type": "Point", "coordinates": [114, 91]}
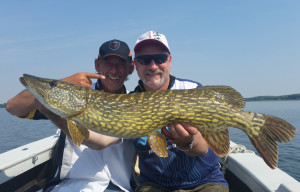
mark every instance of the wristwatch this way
{"type": "Point", "coordinates": [189, 147]}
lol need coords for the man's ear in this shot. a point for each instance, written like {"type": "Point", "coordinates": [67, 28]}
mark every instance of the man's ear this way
{"type": "Point", "coordinates": [131, 67]}
{"type": "Point", "coordinates": [97, 66]}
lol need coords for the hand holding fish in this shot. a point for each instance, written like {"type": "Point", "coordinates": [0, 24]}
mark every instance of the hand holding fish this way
{"type": "Point", "coordinates": [184, 135]}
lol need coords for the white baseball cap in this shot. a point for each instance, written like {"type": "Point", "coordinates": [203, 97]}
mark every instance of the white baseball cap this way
{"type": "Point", "coordinates": [151, 37]}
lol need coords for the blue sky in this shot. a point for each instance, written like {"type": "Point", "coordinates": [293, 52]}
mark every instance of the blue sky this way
{"type": "Point", "coordinates": [251, 45]}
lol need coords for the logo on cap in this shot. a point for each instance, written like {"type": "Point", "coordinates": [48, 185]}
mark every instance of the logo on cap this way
{"type": "Point", "coordinates": [156, 36]}
{"type": "Point", "coordinates": [114, 45]}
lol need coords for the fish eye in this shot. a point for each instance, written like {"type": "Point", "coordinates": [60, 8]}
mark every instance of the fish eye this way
{"type": "Point", "coordinates": [53, 83]}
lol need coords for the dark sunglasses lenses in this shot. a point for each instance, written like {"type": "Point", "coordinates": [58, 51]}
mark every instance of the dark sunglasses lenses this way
{"type": "Point", "coordinates": [157, 58]}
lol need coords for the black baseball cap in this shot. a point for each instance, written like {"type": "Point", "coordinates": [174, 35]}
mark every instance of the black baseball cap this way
{"type": "Point", "coordinates": [115, 47]}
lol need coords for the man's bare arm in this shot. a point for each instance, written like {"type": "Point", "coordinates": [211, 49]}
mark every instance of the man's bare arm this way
{"type": "Point", "coordinates": [22, 104]}
{"type": "Point", "coordinates": [95, 141]}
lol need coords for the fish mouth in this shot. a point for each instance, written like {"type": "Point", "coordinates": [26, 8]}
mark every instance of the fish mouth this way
{"type": "Point", "coordinates": [33, 84]}
{"type": "Point", "coordinates": [22, 80]}
{"type": "Point", "coordinates": [25, 80]}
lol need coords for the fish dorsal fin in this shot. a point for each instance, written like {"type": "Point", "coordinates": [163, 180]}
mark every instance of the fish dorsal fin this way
{"type": "Point", "coordinates": [225, 94]}
{"type": "Point", "coordinates": [77, 133]}
{"type": "Point", "coordinates": [158, 143]}
{"type": "Point", "coordinates": [218, 141]}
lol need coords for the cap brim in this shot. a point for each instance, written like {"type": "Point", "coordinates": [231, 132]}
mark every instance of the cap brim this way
{"type": "Point", "coordinates": [114, 55]}
{"type": "Point", "coordinates": [147, 42]}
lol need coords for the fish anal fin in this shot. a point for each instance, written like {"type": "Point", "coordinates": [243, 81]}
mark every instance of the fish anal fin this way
{"type": "Point", "coordinates": [77, 133]}
{"type": "Point", "coordinates": [218, 141]}
{"type": "Point", "coordinates": [267, 148]}
{"type": "Point", "coordinates": [158, 143]}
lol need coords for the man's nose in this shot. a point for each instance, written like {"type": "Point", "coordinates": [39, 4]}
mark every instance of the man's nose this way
{"type": "Point", "coordinates": [114, 67]}
{"type": "Point", "coordinates": [153, 65]}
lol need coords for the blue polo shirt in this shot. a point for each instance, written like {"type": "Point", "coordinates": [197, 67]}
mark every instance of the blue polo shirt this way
{"type": "Point", "coordinates": [178, 170]}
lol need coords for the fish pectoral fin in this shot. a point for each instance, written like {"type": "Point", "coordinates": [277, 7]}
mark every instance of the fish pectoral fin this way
{"type": "Point", "coordinates": [218, 141]}
{"type": "Point", "coordinates": [158, 143]}
{"type": "Point", "coordinates": [77, 133]}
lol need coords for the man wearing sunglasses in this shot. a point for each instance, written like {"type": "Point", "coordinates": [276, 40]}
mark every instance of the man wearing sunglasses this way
{"type": "Point", "coordinates": [191, 164]}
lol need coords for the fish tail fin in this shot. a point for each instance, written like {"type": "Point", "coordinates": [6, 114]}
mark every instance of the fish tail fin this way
{"type": "Point", "coordinates": [77, 133]}
{"type": "Point", "coordinates": [266, 130]}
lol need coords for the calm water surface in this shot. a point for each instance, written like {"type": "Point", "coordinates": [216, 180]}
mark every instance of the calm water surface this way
{"type": "Point", "coordinates": [15, 132]}
{"type": "Point", "coordinates": [289, 153]}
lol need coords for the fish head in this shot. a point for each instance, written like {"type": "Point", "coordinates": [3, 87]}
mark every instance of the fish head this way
{"type": "Point", "coordinates": [62, 98]}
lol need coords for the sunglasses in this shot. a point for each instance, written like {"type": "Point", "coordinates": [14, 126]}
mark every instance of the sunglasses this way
{"type": "Point", "coordinates": [157, 58]}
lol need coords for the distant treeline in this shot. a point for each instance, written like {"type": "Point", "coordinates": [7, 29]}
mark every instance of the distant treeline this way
{"type": "Point", "coordinates": [2, 105]}
{"type": "Point", "coordinates": [274, 98]}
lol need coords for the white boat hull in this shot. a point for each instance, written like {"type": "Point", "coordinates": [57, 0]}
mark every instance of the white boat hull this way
{"type": "Point", "coordinates": [246, 169]}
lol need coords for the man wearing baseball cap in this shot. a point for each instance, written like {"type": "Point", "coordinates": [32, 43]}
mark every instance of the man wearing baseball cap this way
{"type": "Point", "coordinates": [191, 164]}
{"type": "Point", "coordinates": [84, 168]}
{"type": "Point", "coordinates": [116, 72]}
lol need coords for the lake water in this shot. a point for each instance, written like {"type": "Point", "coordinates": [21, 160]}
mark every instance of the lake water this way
{"type": "Point", "coordinates": [15, 132]}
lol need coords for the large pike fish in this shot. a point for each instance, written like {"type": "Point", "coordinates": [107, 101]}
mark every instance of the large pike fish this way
{"type": "Point", "coordinates": [212, 109]}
